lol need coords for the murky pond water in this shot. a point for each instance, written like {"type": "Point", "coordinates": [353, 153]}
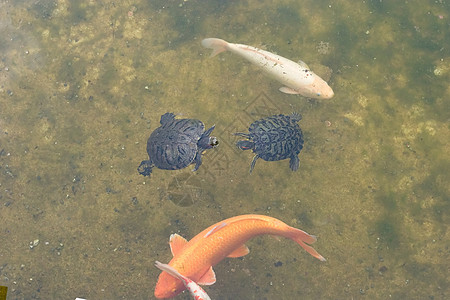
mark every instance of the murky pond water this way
{"type": "Point", "coordinates": [84, 83]}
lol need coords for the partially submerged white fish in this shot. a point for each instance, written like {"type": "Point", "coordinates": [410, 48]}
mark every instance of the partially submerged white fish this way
{"type": "Point", "coordinates": [297, 77]}
{"type": "Point", "coordinates": [196, 291]}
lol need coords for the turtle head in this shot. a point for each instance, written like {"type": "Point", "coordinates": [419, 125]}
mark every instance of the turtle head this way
{"type": "Point", "coordinates": [245, 145]}
{"type": "Point", "coordinates": [206, 141]}
{"type": "Point", "coordinates": [213, 142]}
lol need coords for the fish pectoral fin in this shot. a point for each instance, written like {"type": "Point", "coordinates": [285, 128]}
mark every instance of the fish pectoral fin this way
{"type": "Point", "coordinates": [208, 278]}
{"type": "Point", "coordinates": [288, 90]}
{"type": "Point", "coordinates": [276, 237]}
{"type": "Point", "coordinates": [303, 64]}
{"type": "Point", "coordinates": [240, 251]}
{"type": "Point", "coordinates": [176, 243]}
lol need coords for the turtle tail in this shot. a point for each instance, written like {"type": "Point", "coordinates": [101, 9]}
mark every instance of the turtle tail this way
{"type": "Point", "coordinates": [145, 168]}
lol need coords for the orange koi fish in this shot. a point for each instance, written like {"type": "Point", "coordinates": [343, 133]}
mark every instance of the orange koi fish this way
{"type": "Point", "coordinates": [195, 259]}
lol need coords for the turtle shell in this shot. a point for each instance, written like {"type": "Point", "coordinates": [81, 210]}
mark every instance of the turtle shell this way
{"type": "Point", "coordinates": [173, 145]}
{"type": "Point", "coordinates": [277, 137]}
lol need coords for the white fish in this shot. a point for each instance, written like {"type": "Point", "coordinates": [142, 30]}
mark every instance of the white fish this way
{"type": "Point", "coordinates": [196, 291]}
{"type": "Point", "coordinates": [296, 77]}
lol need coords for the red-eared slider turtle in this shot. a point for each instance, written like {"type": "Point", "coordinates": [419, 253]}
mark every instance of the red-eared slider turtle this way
{"type": "Point", "coordinates": [176, 144]}
{"type": "Point", "coordinates": [274, 138]}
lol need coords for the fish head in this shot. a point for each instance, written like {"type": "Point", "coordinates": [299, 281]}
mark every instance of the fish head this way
{"type": "Point", "coordinates": [320, 89]}
{"type": "Point", "coordinates": [326, 92]}
{"type": "Point", "coordinates": [168, 286]}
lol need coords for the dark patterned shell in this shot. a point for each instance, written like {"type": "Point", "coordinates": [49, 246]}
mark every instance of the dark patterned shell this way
{"type": "Point", "coordinates": [277, 137]}
{"type": "Point", "coordinates": [173, 146]}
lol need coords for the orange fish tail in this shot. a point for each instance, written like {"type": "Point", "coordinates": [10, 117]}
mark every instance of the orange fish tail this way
{"type": "Point", "coordinates": [302, 238]}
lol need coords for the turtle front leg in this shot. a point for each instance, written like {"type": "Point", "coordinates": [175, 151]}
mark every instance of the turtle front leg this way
{"type": "Point", "coordinates": [246, 135]}
{"type": "Point", "coordinates": [252, 165]}
{"type": "Point", "coordinates": [198, 161]}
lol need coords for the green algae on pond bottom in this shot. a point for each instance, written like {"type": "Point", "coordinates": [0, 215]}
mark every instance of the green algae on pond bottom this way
{"type": "Point", "coordinates": [387, 231]}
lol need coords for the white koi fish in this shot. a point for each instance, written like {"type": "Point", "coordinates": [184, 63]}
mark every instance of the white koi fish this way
{"type": "Point", "coordinates": [296, 77]}
{"type": "Point", "coordinates": [196, 291]}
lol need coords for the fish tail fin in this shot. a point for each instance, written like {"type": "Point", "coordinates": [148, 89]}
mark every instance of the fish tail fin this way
{"type": "Point", "coordinates": [217, 45]}
{"type": "Point", "coordinates": [302, 238]}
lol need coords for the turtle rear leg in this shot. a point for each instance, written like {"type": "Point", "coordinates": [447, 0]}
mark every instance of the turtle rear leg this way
{"type": "Point", "coordinates": [294, 163]}
{"type": "Point", "coordinates": [252, 165]}
{"type": "Point", "coordinates": [145, 168]}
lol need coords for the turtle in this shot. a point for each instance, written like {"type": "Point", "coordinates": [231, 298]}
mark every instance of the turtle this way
{"type": "Point", "coordinates": [274, 138]}
{"type": "Point", "coordinates": [176, 144]}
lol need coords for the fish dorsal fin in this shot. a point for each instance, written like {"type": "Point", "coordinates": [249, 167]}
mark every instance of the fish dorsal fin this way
{"type": "Point", "coordinates": [215, 229]}
{"type": "Point", "coordinates": [208, 278]}
{"type": "Point", "coordinates": [177, 243]}
{"type": "Point", "coordinates": [303, 64]}
{"type": "Point", "coordinates": [222, 225]}
{"type": "Point", "coordinates": [242, 250]}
